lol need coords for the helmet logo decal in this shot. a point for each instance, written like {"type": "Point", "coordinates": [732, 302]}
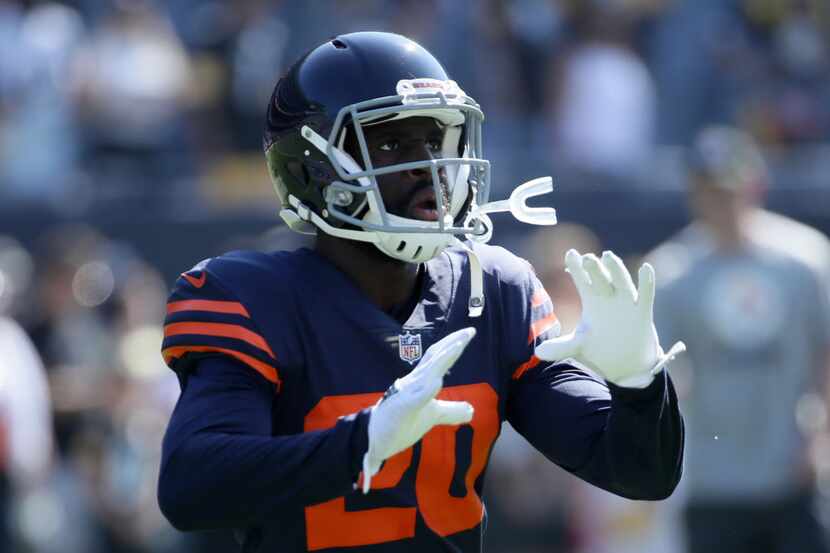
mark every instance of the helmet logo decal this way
{"type": "Point", "coordinates": [409, 347]}
{"type": "Point", "coordinates": [424, 91]}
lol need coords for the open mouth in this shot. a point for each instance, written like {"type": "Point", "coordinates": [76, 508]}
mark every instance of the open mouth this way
{"type": "Point", "coordinates": [423, 205]}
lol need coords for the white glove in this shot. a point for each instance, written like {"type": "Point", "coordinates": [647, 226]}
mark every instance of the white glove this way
{"type": "Point", "coordinates": [408, 409]}
{"type": "Point", "coordinates": [616, 336]}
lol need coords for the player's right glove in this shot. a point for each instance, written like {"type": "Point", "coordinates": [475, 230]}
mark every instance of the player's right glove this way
{"type": "Point", "coordinates": [408, 409]}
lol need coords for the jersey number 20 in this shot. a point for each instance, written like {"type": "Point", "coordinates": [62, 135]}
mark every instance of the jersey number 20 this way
{"type": "Point", "coordinates": [328, 524]}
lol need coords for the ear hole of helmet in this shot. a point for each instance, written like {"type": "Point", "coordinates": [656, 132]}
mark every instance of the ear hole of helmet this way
{"type": "Point", "coordinates": [298, 171]}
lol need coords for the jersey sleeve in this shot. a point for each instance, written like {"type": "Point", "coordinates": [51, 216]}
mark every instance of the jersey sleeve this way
{"type": "Point", "coordinates": [537, 322]}
{"type": "Point", "coordinates": [221, 466]}
{"type": "Point", "coordinates": [205, 317]}
{"type": "Point", "coordinates": [623, 440]}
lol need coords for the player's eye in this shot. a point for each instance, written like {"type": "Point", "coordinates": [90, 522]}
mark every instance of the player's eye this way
{"type": "Point", "coordinates": [434, 145]}
{"type": "Point", "coordinates": [389, 146]}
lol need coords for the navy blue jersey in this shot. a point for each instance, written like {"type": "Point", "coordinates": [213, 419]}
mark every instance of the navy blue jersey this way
{"type": "Point", "coordinates": [280, 356]}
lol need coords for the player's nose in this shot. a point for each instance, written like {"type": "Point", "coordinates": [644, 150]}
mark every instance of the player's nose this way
{"type": "Point", "coordinates": [420, 152]}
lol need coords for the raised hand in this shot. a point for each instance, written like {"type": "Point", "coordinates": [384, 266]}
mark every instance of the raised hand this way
{"type": "Point", "coordinates": [408, 409]}
{"type": "Point", "coordinates": [616, 336]}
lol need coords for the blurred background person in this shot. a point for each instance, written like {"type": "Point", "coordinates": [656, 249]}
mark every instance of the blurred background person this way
{"type": "Point", "coordinates": [132, 77]}
{"type": "Point", "coordinates": [748, 291]}
{"type": "Point", "coordinates": [26, 444]}
{"type": "Point", "coordinates": [40, 137]}
{"type": "Point", "coordinates": [602, 97]}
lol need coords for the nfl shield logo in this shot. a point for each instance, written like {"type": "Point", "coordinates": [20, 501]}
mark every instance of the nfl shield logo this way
{"type": "Point", "coordinates": [409, 347]}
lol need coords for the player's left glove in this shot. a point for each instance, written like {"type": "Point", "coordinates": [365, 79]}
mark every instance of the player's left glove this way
{"type": "Point", "coordinates": [616, 337]}
{"type": "Point", "coordinates": [408, 409]}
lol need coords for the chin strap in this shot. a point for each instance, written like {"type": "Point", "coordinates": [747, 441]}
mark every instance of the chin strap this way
{"type": "Point", "coordinates": [517, 206]}
{"type": "Point", "coordinates": [475, 305]}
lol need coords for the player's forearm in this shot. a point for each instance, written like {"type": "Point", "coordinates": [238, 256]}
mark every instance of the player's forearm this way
{"type": "Point", "coordinates": [640, 452]}
{"type": "Point", "coordinates": [222, 468]}
{"type": "Point", "coordinates": [215, 480]}
{"type": "Point", "coordinates": [629, 442]}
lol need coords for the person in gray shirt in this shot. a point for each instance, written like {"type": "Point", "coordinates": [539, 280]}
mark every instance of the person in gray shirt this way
{"type": "Point", "coordinates": [748, 292]}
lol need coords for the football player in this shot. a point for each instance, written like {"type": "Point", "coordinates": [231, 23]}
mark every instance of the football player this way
{"type": "Point", "coordinates": [348, 396]}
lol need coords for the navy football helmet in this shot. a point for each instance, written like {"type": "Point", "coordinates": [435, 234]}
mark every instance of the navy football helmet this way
{"type": "Point", "coordinates": [342, 86]}
{"type": "Point", "coordinates": [367, 78]}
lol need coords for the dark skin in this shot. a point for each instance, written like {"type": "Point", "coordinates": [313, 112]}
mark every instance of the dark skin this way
{"type": "Point", "coordinates": [389, 283]}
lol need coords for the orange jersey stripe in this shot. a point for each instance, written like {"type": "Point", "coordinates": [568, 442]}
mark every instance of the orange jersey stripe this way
{"type": "Point", "coordinates": [541, 297]}
{"type": "Point", "coordinates": [526, 366]}
{"type": "Point", "coordinates": [231, 307]}
{"type": "Point", "coordinates": [540, 327]}
{"type": "Point", "coordinates": [221, 330]}
{"type": "Point", "coordinates": [264, 369]}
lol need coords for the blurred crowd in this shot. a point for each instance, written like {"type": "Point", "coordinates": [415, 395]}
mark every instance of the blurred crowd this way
{"type": "Point", "coordinates": [117, 101]}
{"type": "Point", "coordinates": [136, 106]}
